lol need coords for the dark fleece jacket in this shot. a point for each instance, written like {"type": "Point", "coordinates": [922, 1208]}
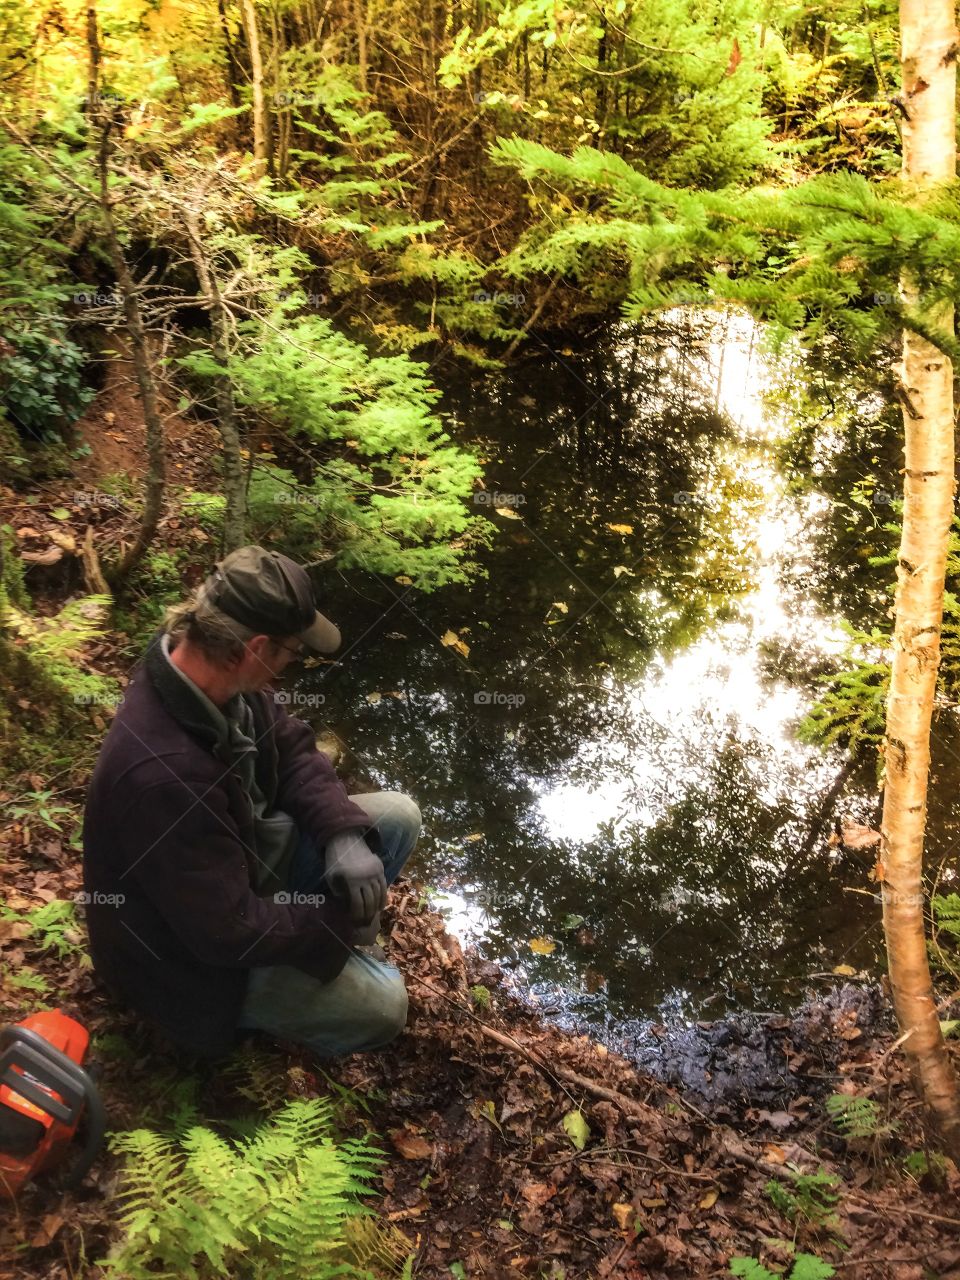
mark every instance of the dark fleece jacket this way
{"type": "Point", "coordinates": [168, 844]}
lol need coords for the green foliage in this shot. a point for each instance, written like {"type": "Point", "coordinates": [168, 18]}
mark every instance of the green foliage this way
{"type": "Point", "coordinates": [276, 1203]}
{"type": "Point", "coordinates": [36, 806]}
{"type": "Point", "coordinates": [944, 945]}
{"type": "Point", "coordinates": [41, 379]}
{"type": "Point", "coordinates": [806, 1266]}
{"type": "Point", "coordinates": [480, 996]}
{"type": "Point", "coordinates": [852, 710]}
{"type": "Point", "coordinates": [811, 1198]}
{"type": "Point", "coordinates": [390, 485]}
{"type": "Point", "coordinates": [52, 926]}
{"type": "Point", "coordinates": [857, 1117]}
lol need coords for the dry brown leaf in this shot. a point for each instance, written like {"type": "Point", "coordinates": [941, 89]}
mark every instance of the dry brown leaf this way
{"type": "Point", "coordinates": [710, 1199]}
{"type": "Point", "coordinates": [410, 1145]}
{"type": "Point", "coordinates": [538, 1193]}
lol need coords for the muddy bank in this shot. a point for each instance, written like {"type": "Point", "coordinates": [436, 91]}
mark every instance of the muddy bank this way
{"type": "Point", "coordinates": [741, 1061]}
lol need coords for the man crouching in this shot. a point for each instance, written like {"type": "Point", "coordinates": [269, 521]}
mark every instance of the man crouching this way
{"type": "Point", "coordinates": [230, 880]}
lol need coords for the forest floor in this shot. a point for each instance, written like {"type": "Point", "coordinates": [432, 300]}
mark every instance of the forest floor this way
{"type": "Point", "coordinates": [482, 1175]}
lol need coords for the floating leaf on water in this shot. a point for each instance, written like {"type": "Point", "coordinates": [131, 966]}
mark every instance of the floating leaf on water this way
{"type": "Point", "coordinates": [453, 641]}
{"type": "Point", "coordinates": [559, 604]}
{"type": "Point", "coordinates": [508, 512]}
{"type": "Point", "coordinates": [572, 921]}
{"type": "Point", "coordinates": [474, 835]}
{"type": "Point", "coordinates": [404, 580]}
{"type": "Point", "coordinates": [374, 698]}
{"type": "Point", "coordinates": [621, 528]}
{"type": "Point", "coordinates": [576, 1129]}
{"type": "Point", "coordinates": [620, 569]}
{"type": "Point", "coordinates": [542, 946]}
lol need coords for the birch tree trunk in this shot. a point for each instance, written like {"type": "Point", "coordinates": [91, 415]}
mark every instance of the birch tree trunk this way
{"type": "Point", "coordinates": [928, 55]}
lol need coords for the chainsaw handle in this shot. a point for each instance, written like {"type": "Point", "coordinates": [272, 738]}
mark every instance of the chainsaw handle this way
{"type": "Point", "coordinates": [22, 1047]}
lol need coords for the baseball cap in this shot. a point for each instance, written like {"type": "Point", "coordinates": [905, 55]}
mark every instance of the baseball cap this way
{"type": "Point", "coordinates": [271, 593]}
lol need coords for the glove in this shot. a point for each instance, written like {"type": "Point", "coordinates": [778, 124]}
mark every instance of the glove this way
{"type": "Point", "coordinates": [355, 873]}
{"type": "Point", "coordinates": [366, 935]}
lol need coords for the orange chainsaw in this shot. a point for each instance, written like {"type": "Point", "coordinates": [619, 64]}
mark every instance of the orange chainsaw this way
{"type": "Point", "coordinates": [44, 1094]}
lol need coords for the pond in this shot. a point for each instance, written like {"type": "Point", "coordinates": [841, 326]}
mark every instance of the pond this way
{"type": "Point", "coordinates": [616, 803]}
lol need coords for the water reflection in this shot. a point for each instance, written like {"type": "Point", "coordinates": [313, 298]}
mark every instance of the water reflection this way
{"type": "Point", "coordinates": [608, 763]}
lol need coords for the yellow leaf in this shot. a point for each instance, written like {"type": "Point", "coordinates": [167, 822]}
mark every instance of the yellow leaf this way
{"type": "Point", "coordinates": [844, 970]}
{"type": "Point", "coordinates": [373, 698]}
{"type": "Point", "coordinates": [620, 569]}
{"type": "Point", "coordinates": [621, 528]}
{"type": "Point", "coordinates": [558, 604]}
{"type": "Point", "coordinates": [654, 1204]}
{"type": "Point", "coordinates": [474, 835]}
{"type": "Point", "coordinates": [623, 1213]}
{"type": "Point", "coordinates": [710, 1199]}
{"type": "Point", "coordinates": [453, 641]}
{"type": "Point", "coordinates": [542, 946]}
{"type": "Point", "coordinates": [508, 512]}
{"type": "Point", "coordinates": [576, 1129]}
{"type": "Point", "coordinates": [404, 580]}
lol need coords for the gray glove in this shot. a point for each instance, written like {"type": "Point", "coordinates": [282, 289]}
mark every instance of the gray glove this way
{"type": "Point", "coordinates": [354, 872]}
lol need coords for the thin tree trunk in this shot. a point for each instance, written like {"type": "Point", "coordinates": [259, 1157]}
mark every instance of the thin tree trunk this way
{"type": "Point", "coordinates": [928, 52]}
{"type": "Point", "coordinates": [234, 480]}
{"type": "Point", "coordinates": [261, 121]}
{"type": "Point", "coordinates": [155, 481]}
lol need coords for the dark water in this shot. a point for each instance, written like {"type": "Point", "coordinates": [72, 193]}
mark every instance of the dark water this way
{"type": "Point", "coordinates": [613, 766]}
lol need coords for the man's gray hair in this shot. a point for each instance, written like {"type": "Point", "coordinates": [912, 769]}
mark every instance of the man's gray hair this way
{"type": "Point", "coordinates": [220, 637]}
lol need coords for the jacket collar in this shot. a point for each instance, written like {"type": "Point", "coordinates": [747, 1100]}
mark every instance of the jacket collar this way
{"type": "Point", "coordinates": [184, 701]}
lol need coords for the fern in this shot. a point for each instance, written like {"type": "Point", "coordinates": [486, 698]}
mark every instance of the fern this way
{"type": "Point", "coordinates": [278, 1203]}
{"type": "Point", "coordinates": [857, 1117]}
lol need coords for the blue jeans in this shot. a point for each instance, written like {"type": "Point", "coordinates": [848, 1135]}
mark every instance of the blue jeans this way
{"type": "Point", "coordinates": [365, 1006]}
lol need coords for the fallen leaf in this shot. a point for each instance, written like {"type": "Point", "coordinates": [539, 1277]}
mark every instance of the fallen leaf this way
{"type": "Point", "coordinates": [774, 1154]}
{"type": "Point", "coordinates": [508, 512]}
{"type": "Point", "coordinates": [844, 970]}
{"type": "Point", "coordinates": [373, 698]}
{"type": "Point", "coordinates": [576, 1129]}
{"type": "Point", "coordinates": [474, 836]}
{"type": "Point", "coordinates": [621, 528]}
{"type": "Point", "coordinates": [620, 569]}
{"type": "Point", "coordinates": [538, 1193]}
{"type": "Point", "coordinates": [559, 604]}
{"type": "Point", "coordinates": [542, 946]}
{"type": "Point", "coordinates": [857, 836]}
{"type": "Point", "coordinates": [453, 641]}
{"type": "Point", "coordinates": [623, 1213]}
{"type": "Point", "coordinates": [710, 1199]}
{"type": "Point", "coordinates": [404, 580]}
{"type": "Point", "coordinates": [410, 1145]}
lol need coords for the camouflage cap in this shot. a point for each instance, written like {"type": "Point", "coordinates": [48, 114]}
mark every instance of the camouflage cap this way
{"type": "Point", "coordinates": [272, 594]}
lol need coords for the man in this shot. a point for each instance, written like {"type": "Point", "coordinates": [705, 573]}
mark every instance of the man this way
{"type": "Point", "coordinates": [229, 878]}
